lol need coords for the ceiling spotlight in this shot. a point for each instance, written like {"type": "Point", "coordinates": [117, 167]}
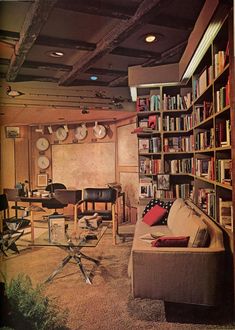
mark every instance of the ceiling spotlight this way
{"type": "Point", "coordinates": [50, 129]}
{"type": "Point", "coordinates": [150, 37]}
{"type": "Point", "coordinates": [40, 129]}
{"type": "Point", "coordinates": [93, 78]}
{"type": "Point", "coordinates": [56, 54]}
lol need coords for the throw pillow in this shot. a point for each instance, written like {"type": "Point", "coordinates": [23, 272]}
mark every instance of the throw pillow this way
{"type": "Point", "coordinates": [170, 241]}
{"type": "Point", "coordinates": [165, 204]}
{"type": "Point", "coordinates": [154, 215]}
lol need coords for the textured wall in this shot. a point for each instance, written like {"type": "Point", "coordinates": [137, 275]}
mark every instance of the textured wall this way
{"type": "Point", "coordinates": [84, 165]}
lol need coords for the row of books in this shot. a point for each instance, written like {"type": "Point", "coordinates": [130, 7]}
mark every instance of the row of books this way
{"type": "Point", "coordinates": [153, 103]}
{"type": "Point", "coordinates": [182, 123]}
{"type": "Point", "coordinates": [202, 112]}
{"type": "Point", "coordinates": [150, 145]}
{"type": "Point", "coordinates": [222, 97]}
{"type": "Point", "coordinates": [204, 167]}
{"type": "Point", "coordinates": [147, 189]}
{"type": "Point", "coordinates": [180, 143]}
{"type": "Point", "coordinates": [182, 166]}
{"type": "Point", "coordinates": [222, 133]}
{"type": "Point", "coordinates": [207, 201]}
{"type": "Point", "coordinates": [204, 139]}
{"type": "Point", "coordinates": [182, 190]}
{"type": "Point", "coordinates": [224, 171]}
{"type": "Point", "coordinates": [176, 102]}
{"type": "Point", "coordinates": [150, 166]}
{"type": "Point", "coordinates": [153, 122]}
{"type": "Point", "coordinates": [200, 83]}
{"type": "Point", "coordinates": [226, 213]}
{"type": "Point", "coordinates": [221, 59]}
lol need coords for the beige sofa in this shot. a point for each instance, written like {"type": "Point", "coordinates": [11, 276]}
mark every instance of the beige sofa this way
{"type": "Point", "coordinates": [192, 274]}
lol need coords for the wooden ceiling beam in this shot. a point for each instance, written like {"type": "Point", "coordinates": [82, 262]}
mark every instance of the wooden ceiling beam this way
{"type": "Point", "coordinates": [120, 81]}
{"type": "Point", "coordinates": [81, 82]}
{"type": "Point", "coordinates": [21, 78]}
{"type": "Point", "coordinates": [94, 7]}
{"type": "Point", "coordinates": [106, 72]}
{"type": "Point", "coordinates": [9, 35]}
{"type": "Point", "coordinates": [130, 52]}
{"type": "Point", "coordinates": [65, 43]}
{"type": "Point", "coordinates": [120, 32]}
{"type": "Point", "coordinates": [33, 23]}
{"type": "Point", "coordinates": [80, 45]}
{"type": "Point", "coordinates": [40, 65]}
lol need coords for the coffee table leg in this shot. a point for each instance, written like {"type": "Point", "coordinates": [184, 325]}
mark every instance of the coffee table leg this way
{"type": "Point", "coordinates": [59, 268]}
{"type": "Point", "coordinates": [88, 258]}
{"type": "Point", "coordinates": [82, 268]}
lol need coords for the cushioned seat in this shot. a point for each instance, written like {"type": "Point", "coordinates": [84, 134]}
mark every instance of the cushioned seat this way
{"type": "Point", "coordinates": [193, 274]}
{"type": "Point", "coordinates": [101, 201]}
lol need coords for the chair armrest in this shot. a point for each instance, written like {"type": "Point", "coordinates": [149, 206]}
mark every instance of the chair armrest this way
{"type": "Point", "coordinates": [18, 208]}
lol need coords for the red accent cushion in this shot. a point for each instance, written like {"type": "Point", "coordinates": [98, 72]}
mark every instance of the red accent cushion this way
{"type": "Point", "coordinates": [154, 215]}
{"type": "Point", "coordinates": [169, 241]}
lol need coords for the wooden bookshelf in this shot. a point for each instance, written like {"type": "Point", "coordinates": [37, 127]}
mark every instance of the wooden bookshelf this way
{"type": "Point", "coordinates": [193, 132]}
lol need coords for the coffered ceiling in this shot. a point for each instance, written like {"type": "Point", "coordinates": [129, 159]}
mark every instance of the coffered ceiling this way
{"type": "Point", "coordinates": [100, 38]}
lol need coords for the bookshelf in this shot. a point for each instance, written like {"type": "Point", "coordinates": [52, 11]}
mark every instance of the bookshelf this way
{"type": "Point", "coordinates": [185, 131]}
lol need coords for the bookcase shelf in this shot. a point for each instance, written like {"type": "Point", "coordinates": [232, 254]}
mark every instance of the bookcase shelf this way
{"type": "Point", "coordinates": [193, 137]}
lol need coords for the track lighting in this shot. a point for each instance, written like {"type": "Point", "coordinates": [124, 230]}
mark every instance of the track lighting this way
{"type": "Point", "coordinates": [50, 129]}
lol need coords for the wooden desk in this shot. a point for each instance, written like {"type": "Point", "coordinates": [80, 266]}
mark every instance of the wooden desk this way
{"type": "Point", "coordinates": [65, 196]}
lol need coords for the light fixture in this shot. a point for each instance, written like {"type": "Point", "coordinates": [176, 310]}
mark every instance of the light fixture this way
{"type": "Point", "coordinates": [204, 44]}
{"type": "Point", "coordinates": [13, 93]}
{"type": "Point", "coordinates": [56, 54]}
{"type": "Point", "coordinates": [151, 85]}
{"type": "Point", "coordinates": [40, 129]}
{"type": "Point", "coordinates": [66, 128]}
{"type": "Point", "coordinates": [50, 129]}
{"type": "Point", "coordinates": [151, 37]}
{"type": "Point", "coordinates": [93, 78]}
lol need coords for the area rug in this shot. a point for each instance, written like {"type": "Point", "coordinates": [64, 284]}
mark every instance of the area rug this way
{"type": "Point", "coordinates": [107, 303]}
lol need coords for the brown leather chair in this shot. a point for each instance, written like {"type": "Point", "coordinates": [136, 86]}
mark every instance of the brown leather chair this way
{"type": "Point", "coordinates": [101, 201]}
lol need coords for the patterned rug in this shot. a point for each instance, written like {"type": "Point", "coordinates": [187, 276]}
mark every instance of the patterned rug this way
{"type": "Point", "coordinates": [107, 303]}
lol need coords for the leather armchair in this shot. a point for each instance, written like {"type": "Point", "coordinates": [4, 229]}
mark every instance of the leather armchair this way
{"type": "Point", "coordinates": [101, 201]}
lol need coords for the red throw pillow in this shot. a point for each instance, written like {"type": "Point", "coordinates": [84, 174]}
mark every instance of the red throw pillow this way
{"type": "Point", "coordinates": [166, 241]}
{"type": "Point", "coordinates": [154, 215]}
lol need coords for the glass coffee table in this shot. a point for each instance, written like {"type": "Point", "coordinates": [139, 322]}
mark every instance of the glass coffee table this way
{"type": "Point", "coordinates": [72, 242]}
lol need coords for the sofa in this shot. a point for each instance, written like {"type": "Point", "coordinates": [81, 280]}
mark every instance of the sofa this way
{"type": "Point", "coordinates": [192, 274]}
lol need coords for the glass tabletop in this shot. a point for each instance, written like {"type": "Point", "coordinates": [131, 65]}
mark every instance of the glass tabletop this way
{"type": "Point", "coordinates": [69, 237]}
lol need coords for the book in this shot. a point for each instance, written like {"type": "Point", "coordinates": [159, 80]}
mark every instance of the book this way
{"type": "Point", "coordinates": [56, 228]}
{"type": "Point", "coordinates": [144, 145]}
{"type": "Point", "coordinates": [152, 236]}
{"type": "Point", "coordinates": [145, 188]}
{"type": "Point", "coordinates": [152, 122]}
{"type": "Point", "coordinates": [225, 212]}
{"type": "Point", "coordinates": [142, 104]}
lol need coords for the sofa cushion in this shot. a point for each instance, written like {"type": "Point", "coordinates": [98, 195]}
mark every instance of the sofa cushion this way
{"type": "Point", "coordinates": [178, 203]}
{"type": "Point", "coordinates": [165, 204]}
{"type": "Point", "coordinates": [171, 241]}
{"type": "Point", "coordinates": [187, 223]}
{"type": "Point", "coordinates": [154, 216]}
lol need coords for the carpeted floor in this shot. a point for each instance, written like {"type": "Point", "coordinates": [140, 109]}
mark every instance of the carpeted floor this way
{"type": "Point", "coordinates": [107, 303]}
